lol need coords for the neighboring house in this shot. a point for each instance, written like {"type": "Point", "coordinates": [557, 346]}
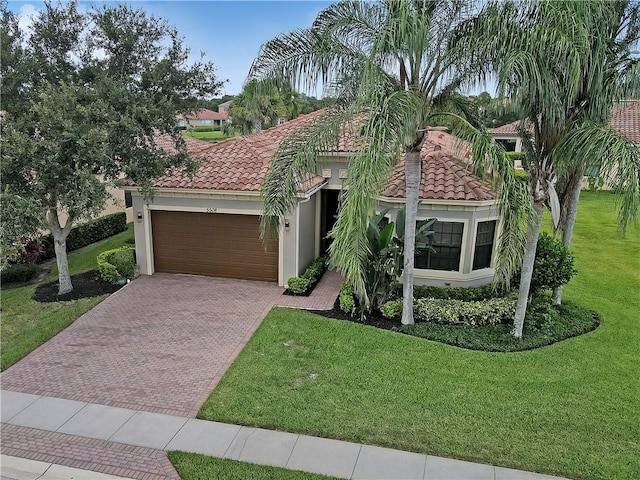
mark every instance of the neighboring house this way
{"type": "Point", "coordinates": [625, 118]}
{"type": "Point", "coordinates": [209, 224]}
{"type": "Point", "coordinates": [203, 118]}
{"type": "Point", "coordinates": [225, 106]}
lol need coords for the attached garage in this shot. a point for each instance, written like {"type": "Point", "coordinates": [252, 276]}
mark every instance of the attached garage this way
{"type": "Point", "coordinates": [220, 245]}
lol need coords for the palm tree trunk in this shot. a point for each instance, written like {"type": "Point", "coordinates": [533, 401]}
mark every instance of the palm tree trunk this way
{"type": "Point", "coordinates": [412, 178]}
{"type": "Point", "coordinates": [572, 196]}
{"type": "Point", "coordinates": [533, 231]}
{"type": "Point", "coordinates": [60, 235]}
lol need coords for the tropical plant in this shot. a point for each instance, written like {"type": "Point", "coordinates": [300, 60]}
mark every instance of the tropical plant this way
{"type": "Point", "coordinates": [263, 101]}
{"type": "Point", "coordinates": [609, 74]}
{"type": "Point", "coordinates": [385, 263]}
{"type": "Point", "coordinates": [543, 55]}
{"type": "Point", "coordinates": [391, 65]}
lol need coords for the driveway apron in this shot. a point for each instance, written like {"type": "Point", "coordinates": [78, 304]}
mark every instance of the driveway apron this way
{"type": "Point", "coordinates": [158, 345]}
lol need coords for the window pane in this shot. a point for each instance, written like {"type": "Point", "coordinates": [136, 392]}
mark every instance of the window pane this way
{"type": "Point", "coordinates": [484, 245]}
{"type": "Point", "coordinates": [447, 243]}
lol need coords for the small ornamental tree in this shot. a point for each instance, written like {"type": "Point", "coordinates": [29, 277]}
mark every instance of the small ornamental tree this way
{"type": "Point", "coordinates": [88, 95]}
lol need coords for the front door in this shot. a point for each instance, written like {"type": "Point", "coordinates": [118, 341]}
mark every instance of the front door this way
{"type": "Point", "coordinates": [330, 202]}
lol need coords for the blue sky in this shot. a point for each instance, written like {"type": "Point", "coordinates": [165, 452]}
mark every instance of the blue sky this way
{"type": "Point", "coordinates": [228, 32]}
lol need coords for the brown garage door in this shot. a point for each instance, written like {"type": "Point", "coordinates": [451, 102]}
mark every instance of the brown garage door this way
{"type": "Point", "coordinates": [213, 244]}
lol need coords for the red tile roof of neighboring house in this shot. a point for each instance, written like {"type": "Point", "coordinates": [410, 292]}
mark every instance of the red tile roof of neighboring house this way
{"type": "Point", "coordinates": [444, 175]}
{"type": "Point", "coordinates": [242, 163]}
{"type": "Point", "coordinates": [205, 114]}
{"type": "Point", "coordinates": [625, 118]}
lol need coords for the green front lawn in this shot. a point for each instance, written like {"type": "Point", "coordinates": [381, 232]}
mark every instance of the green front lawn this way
{"type": "Point", "coordinates": [207, 136]}
{"type": "Point", "coordinates": [569, 409]}
{"type": "Point", "coordinates": [27, 324]}
{"type": "Point", "coordinates": [192, 466]}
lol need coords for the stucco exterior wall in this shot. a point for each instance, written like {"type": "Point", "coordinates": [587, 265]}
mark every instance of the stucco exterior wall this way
{"type": "Point", "coordinates": [467, 213]}
{"type": "Point", "coordinates": [307, 233]}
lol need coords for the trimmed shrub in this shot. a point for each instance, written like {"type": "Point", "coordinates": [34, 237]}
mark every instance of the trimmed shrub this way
{"type": "Point", "coordinates": [304, 284]}
{"type": "Point", "coordinates": [203, 128]}
{"type": "Point", "coordinates": [87, 233]}
{"type": "Point", "coordinates": [346, 299]}
{"type": "Point", "coordinates": [515, 156]}
{"type": "Point", "coordinates": [116, 264]}
{"type": "Point", "coordinates": [467, 294]}
{"type": "Point", "coordinates": [392, 309]}
{"type": "Point", "coordinates": [553, 266]}
{"type": "Point", "coordinates": [18, 273]}
{"type": "Point", "coordinates": [298, 285]}
{"type": "Point", "coordinates": [456, 312]}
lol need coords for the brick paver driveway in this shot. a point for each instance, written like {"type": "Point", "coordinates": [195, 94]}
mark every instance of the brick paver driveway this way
{"type": "Point", "coordinates": [159, 345]}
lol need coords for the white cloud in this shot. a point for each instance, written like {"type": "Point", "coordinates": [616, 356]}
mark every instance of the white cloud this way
{"type": "Point", "coordinates": [25, 18]}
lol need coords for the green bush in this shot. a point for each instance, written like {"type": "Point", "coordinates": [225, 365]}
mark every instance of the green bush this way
{"type": "Point", "coordinates": [116, 264]}
{"type": "Point", "coordinates": [467, 294]}
{"type": "Point", "coordinates": [556, 323]}
{"type": "Point", "coordinates": [304, 284]}
{"type": "Point", "coordinates": [553, 265]}
{"type": "Point", "coordinates": [346, 299]}
{"type": "Point", "coordinates": [392, 309]}
{"type": "Point", "coordinates": [18, 273]}
{"type": "Point", "coordinates": [515, 156]}
{"type": "Point", "coordinates": [203, 129]}
{"type": "Point", "coordinates": [87, 233]}
{"type": "Point", "coordinates": [488, 312]}
{"type": "Point", "coordinates": [298, 285]}
{"type": "Point", "coordinates": [494, 311]}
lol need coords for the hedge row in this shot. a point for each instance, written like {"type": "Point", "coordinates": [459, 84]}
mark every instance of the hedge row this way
{"type": "Point", "coordinates": [86, 234]}
{"type": "Point", "coordinates": [494, 311]}
{"type": "Point", "coordinates": [467, 294]}
{"type": "Point", "coordinates": [304, 284]}
{"type": "Point", "coordinates": [18, 273]}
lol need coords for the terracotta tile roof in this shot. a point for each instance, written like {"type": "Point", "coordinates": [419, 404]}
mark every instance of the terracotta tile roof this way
{"type": "Point", "coordinates": [205, 114]}
{"type": "Point", "coordinates": [625, 118]}
{"type": "Point", "coordinates": [444, 175]}
{"type": "Point", "coordinates": [241, 164]}
{"type": "Point", "coordinates": [235, 164]}
{"type": "Point", "coordinates": [508, 129]}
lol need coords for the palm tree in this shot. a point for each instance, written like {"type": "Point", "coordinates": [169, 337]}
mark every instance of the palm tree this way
{"type": "Point", "coordinates": [609, 75]}
{"type": "Point", "coordinates": [543, 53]}
{"type": "Point", "coordinates": [394, 68]}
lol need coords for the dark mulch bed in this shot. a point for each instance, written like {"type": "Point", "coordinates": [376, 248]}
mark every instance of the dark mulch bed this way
{"type": "Point", "coordinates": [489, 338]}
{"type": "Point", "coordinates": [85, 285]}
{"type": "Point", "coordinates": [375, 320]}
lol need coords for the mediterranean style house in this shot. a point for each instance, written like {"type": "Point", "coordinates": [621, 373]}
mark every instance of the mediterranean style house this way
{"type": "Point", "coordinates": [209, 224]}
{"type": "Point", "coordinates": [203, 118]}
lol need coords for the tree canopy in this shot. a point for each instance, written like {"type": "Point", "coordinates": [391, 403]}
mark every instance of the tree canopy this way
{"type": "Point", "coordinates": [88, 95]}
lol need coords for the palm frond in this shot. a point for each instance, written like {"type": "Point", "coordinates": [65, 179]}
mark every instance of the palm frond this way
{"type": "Point", "coordinates": [620, 163]}
{"type": "Point", "coordinates": [295, 162]}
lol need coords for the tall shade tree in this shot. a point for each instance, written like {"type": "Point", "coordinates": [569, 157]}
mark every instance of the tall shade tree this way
{"type": "Point", "coordinates": [99, 88]}
{"type": "Point", "coordinates": [559, 62]}
{"type": "Point", "coordinates": [392, 65]}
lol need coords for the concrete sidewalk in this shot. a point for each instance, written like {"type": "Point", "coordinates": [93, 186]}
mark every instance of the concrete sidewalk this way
{"type": "Point", "coordinates": [16, 468]}
{"type": "Point", "coordinates": [297, 452]}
